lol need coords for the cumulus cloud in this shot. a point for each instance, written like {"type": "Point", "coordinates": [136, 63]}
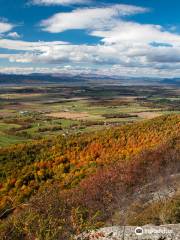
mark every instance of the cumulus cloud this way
{"type": "Point", "coordinates": [89, 18]}
{"type": "Point", "coordinates": [132, 32]}
{"type": "Point", "coordinates": [58, 52]}
{"type": "Point", "coordinates": [126, 47]}
{"type": "Point", "coordinates": [125, 55]}
{"type": "Point", "coordinates": [5, 27]}
{"type": "Point", "coordinates": [59, 2]}
{"type": "Point", "coordinates": [14, 35]}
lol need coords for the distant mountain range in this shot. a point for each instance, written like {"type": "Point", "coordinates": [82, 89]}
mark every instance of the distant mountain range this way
{"type": "Point", "coordinates": [37, 78]}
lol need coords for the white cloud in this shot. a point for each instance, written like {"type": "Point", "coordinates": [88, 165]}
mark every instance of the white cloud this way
{"type": "Point", "coordinates": [59, 54]}
{"type": "Point", "coordinates": [5, 27]}
{"type": "Point", "coordinates": [126, 47]}
{"type": "Point", "coordinates": [59, 2]}
{"type": "Point", "coordinates": [136, 55]}
{"type": "Point", "coordinates": [115, 70]}
{"type": "Point", "coordinates": [132, 32]}
{"type": "Point", "coordinates": [89, 18]}
{"type": "Point", "coordinates": [28, 46]}
{"type": "Point", "coordinates": [14, 35]}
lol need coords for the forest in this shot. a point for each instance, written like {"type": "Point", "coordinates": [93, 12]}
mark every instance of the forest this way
{"type": "Point", "coordinates": [59, 187]}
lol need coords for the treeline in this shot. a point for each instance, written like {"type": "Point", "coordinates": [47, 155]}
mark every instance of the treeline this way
{"type": "Point", "coordinates": [119, 115]}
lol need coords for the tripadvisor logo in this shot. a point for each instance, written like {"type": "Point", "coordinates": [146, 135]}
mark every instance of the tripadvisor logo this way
{"type": "Point", "coordinates": [139, 231]}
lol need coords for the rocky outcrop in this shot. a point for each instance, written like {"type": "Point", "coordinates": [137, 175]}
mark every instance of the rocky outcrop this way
{"type": "Point", "coordinates": [148, 232]}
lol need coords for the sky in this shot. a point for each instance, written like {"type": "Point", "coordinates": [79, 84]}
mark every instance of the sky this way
{"type": "Point", "coordinates": [138, 38]}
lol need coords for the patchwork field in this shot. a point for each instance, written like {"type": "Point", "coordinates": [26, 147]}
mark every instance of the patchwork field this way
{"type": "Point", "coordinates": [33, 112]}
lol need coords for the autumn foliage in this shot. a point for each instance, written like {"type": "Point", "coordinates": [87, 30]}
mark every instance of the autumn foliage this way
{"type": "Point", "coordinates": [76, 183]}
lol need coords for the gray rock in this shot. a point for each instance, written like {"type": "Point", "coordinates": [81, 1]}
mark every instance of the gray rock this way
{"type": "Point", "coordinates": [148, 232]}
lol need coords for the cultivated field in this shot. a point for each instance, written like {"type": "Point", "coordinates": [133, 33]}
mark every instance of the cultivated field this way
{"type": "Point", "coordinates": [33, 112]}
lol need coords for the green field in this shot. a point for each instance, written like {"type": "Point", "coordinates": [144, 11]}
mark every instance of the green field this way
{"type": "Point", "coordinates": [33, 112]}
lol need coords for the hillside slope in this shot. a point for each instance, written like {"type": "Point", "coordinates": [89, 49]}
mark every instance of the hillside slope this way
{"type": "Point", "coordinates": [81, 182]}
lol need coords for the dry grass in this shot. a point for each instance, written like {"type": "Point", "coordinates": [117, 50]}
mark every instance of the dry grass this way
{"type": "Point", "coordinates": [19, 95]}
{"type": "Point", "coordinates": [148, 115]}
{"type": "Point", "coordinates": [69, 115]}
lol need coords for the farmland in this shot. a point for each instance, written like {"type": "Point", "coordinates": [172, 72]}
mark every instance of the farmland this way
{"type": "Point", "coordinates": [38, 111]}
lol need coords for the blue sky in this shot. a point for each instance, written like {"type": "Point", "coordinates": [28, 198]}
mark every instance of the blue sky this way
{"type": "Point", "coordinates": [125, 38]}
